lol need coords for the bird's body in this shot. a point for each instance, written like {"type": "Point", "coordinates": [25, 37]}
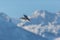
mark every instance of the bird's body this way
{"type": "Point", "coordinates": [25, 18]}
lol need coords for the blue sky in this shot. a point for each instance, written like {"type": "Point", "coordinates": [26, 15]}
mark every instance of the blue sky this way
{"type": "Point", "coordinates": [16, 8]}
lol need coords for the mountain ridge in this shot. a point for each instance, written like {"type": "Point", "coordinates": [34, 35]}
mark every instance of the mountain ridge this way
{"type": "Point", "coordinates": [10, 31]}
{"type": "Point", "coordinates": [43, 23]}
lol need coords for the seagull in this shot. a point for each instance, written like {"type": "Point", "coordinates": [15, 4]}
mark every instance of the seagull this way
{"type": "Point", "coordinates": [25, 18]}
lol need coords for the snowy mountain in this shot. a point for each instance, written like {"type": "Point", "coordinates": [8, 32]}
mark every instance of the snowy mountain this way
{"type": "Point", "coordinates": [4, 17]}
{"type": "Point", "coordinates": [9, 31]}
{"type": "Point", "coordinates": [43, 23]}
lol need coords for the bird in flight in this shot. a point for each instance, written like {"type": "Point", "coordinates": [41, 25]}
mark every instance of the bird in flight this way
{"type": "Point", "coordinates": [25, 18]}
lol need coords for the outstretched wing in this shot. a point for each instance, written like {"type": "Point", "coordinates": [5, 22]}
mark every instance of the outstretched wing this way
{"type": "Point", "coordinates": [26, 17]}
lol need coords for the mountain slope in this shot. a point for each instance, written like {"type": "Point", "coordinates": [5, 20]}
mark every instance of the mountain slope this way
{"type": "Point", "coordinates": [9, 31]}
{"type": "Point", "coordinates": [44, 23]}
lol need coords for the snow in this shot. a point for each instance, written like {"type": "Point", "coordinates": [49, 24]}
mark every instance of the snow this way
{"type": "Point", "coordinates": [9, 31]}
{"type": "Point", "coordinates": [44, 23]}
{"type": "Point", "coordinates": [57, 38]}
{"type": "Point", "coordinates": [38, 13]}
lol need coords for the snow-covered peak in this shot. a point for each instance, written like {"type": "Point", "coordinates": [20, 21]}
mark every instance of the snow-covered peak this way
{"type": "Point", "coordinates": [9, 31]}
{"type": "Point", "coordinates": [3, 14]}
{"type": "Point", "coordinates": [39, 13]}
{"type": "Point", "coordinates": [44, 23]}
{"type": "Point", "coordinates": [4, 17]}
{"type": "Point", "coordinates": [58, 14]}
